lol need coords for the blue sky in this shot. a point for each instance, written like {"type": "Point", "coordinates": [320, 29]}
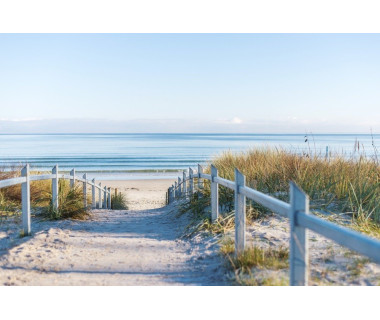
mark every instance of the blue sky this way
{"type": "Point", "coordinates": [190, 83]}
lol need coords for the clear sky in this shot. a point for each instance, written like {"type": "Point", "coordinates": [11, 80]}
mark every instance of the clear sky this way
{"type": "Point", "coordinates": [190, 83]}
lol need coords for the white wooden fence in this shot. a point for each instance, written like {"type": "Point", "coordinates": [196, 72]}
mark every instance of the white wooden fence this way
{"type": "Point", "coordinates": [26, 178]}
{"type": "Point", "coordinates": [297, 211]}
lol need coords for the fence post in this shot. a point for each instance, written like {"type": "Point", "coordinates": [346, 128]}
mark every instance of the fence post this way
{"type": "Point", "coordinates": [299, 252]}
{"type": "Point", "coordinates": [93, 204]}
{"type": "Point", "coordinates": [109, 198]}
{"type": "Point", "coordinates": [100, 196]}
{"type": "Point", "coordinates": [25, 200]}
{"type": "Point", "coordinates": [214, 195]}
{"type": "Point", "coordinates": [175, 190]}
{"type": "Point", "coordinates": [239, 213]}
{"type": "Point", "coordinates": [54, 187]}
{"type": "Point", "coordinates": [191, 182]}
{"type": "Point", "coordinates": [184, 184]}
{"type": "Point", "coordinates": [72, 179]}
{"type": "Point", "coordinates": [179, 187]}
{"type": "Point", "coordinates": [200, 170]}
{"type": "Point", "coordinates": [105, 198]}
{"type": "Point", "coordinates": [85, 190]}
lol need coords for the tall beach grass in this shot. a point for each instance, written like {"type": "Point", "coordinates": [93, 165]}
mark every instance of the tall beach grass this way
{"type": "Point", "coordinates": [339, 185]}
{"type": "Point", "coordinates": [70, 199]}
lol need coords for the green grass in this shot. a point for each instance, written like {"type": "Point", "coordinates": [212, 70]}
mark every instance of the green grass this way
{"type": "Point", "coordinates": [254, 258]}
{"type": "Point", "coordinates": [70, 203]}
{"type": "Point", "coordinates": [342, 185]}
{"type": "Point", "coordinates": [119, 202]}
{"type": "Point", "coordinates": [70, 200]}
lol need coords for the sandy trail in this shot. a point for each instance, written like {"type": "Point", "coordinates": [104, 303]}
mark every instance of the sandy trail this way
{"type": "Point", "coordinates": [131, 247]}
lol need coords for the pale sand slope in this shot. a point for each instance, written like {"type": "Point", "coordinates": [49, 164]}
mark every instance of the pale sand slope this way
{"type": "Point", "coordinates": [142, 194]}
{"type": "Point", "coordinates": [135, 247]}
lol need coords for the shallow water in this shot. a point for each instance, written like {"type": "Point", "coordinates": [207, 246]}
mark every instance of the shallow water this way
{"type": "Point", "coordinates": [122, 153]}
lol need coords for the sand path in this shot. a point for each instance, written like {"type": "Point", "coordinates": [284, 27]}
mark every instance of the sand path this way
{"type": "Point", "coordinates": [135, 247]}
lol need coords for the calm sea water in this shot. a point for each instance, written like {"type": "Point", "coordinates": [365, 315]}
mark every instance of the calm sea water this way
{"type": "Point", "coordinates": [123, 153]}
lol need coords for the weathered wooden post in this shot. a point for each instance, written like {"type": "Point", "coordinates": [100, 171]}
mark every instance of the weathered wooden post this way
{"type": "Point", "coordinates": [85, 190]}
{"type": "Point", "coordinates": [214, 194]}
{"type": "Point", "coordinates": [25, 201]}
{"type": "Point", "coordinates": [54, 187]}
{"type": "Point", "coordinates": [109, 198]}
{"type": "Point", "coordinates": [175, 189]}
{"type": "Point", "coordinates": [200, 171]}
{"type": "Point", "coordinates": [184, 184]}
{"type": "Point", "coordinates": [115, 192]}
{"type": "Point", "coordinates": [93, 204]}
{"type": "Point", "coordinates": [72, 178]}
{"type": "Point", "coordinates": [100, 195]}
{"type": "Point", "coordinates": [299, 251]}
{"type": "Point", "coordinates": [179, 187]}
{"type": "Point", "coordinates": [239, 213]}
{"type": "Point", "coordinates": [191, 182]}
{"type": "Point", "coordinates": [105, 198]}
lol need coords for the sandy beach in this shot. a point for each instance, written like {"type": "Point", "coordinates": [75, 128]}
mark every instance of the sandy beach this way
{"type": "Point", "coordinates": [139, 246]}
{"type": "Point", "coordinates": [142, 194]}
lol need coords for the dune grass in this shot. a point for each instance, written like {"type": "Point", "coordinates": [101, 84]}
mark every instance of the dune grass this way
{"type": "Point", "coordinates": [255, 258]}
{"type": "Point", "coordinates": [70, 200]}
{"type": "Point", "coordinates": [340, 185]}
{"type": "Point", "coordinates": [70, 203]}
{"type": "Point", "coordinates": [119, 202]}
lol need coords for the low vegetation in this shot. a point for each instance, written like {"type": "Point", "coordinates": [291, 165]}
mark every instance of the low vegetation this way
{"type": "Point", "coordinates": [339, 185]}
{"type": "Point", "coordinates": [253, 259]}
{"type": "Point", "coordinates": [119, 202]}
{"type": "Point", "coordinates": [70, 200]}
{"type": "Point", "coordinates": [70, 203]}
{"type": "Point", "coordinates": [341, 189]}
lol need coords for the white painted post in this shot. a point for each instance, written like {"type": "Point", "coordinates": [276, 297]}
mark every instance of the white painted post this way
{"type": "Point", "coordinates": [109, 198]}
{"type": "Point", "coordinates": [184, 184]}
{"type": "Point", "coordinates": [299, 251]}
{"type": "Point", "coordinates": [100, 196]}
{"type": "Point", "coordinates": [85, 191]}
{"type": "Point", "coordinates": [72, 180]}
{"type": "Point", "coordinates": [191, 174]}
{"type": "Point", "coordinates": [239, 213]}
{"type": "Point", "coordinates": [214, 195]}
{"type": "Point", "coordinates": [93, 204]}
{"type": "Point", "coordinates": [54, 187]}
{"type": "Point", "coordinates": [25, 200]}
{"type": "Point", "coordinates": [179, 187]}
{"type": "Point", "coordinates": [105, 198]}
{"type": "Point", "coordinates": [200, 170]}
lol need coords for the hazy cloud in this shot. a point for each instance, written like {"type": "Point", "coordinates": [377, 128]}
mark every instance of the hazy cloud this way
{"type": "Point", "coordinates": [235, 125]}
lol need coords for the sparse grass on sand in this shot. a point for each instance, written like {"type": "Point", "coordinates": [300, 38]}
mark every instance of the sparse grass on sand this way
{"type": "Point", "coordinates": [255, 258]}
{"type": "Point", "coordinates": [342, 190]}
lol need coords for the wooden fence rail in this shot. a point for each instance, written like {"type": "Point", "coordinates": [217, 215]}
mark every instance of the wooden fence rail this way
{"type": "Point", "coordinates": [26, 178]}
{"type": "Point", "coordinates": [297, 211]}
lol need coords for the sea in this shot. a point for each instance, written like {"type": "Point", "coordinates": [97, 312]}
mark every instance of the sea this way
{"type": "Point", "coordinates": [157, 156]}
